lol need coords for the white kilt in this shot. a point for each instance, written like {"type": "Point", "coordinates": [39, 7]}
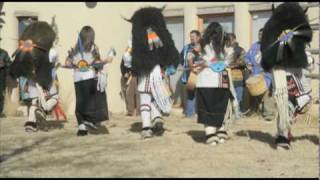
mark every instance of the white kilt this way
{"type": "Point", "coordinates": [154, 84]}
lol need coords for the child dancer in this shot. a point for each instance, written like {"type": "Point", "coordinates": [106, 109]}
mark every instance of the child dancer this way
{"type": "Point", "coordinates": [90, 81]}
{"type": "Point", "coordinates": [212, 87]}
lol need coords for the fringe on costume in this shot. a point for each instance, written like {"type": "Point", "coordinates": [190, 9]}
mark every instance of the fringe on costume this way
{"type": "Point", "coordinates": [280, 93]}
{"type": "Point", "coordinates": [159, 91]}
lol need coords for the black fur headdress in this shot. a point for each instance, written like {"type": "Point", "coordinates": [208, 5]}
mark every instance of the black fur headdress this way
{"type": "Point", "coordinates": [285, 36]}
{"type": "Point", "coordinates": [32, 57]}
{"type": "Point", "coordinates": [144, 57]}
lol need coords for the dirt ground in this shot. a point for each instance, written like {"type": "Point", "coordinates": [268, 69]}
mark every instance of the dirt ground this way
{"type": "Point", "coordinates": [180, 152]}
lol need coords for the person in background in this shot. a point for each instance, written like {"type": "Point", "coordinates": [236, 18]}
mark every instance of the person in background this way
{"type": "Point", "coordinates": [129, 82]}
{"type": "Point", "coordinates": [5, 62]}
{"type": "Point", "coordinates": [195, 37]}
{"type": "Point", "coordinates": [235, 58]}
{"type": "Point", "coordinates": [311, 64]}
{"type": "Point", "coordinates": [253, 58]}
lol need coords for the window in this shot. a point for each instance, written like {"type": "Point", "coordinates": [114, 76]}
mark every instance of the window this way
{"type": "Point", "coordinates": [226, 21]}
{"type": "Point", "coordinates": [175, 26]}
{"type": "Point", "coordinates": [259, 19]}
{"type": "Point", "coordinates": [24, 22]}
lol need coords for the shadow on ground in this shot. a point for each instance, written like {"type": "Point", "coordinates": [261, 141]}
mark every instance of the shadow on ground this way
{"type": "Point", "coordinates": [258, 136]}
{"type": "Point", "coordinates": [55, 125]}
{"type": "Point", "coordinates": [197, 136]}
{"type": "Point", "coordinates": [314, 139]}
{"type": "Point", "coordinates": [269, 139]}
{"type": "Point", "coordinates": [22, 150]}
{"type": "Point", "coordinates": [136, 127]}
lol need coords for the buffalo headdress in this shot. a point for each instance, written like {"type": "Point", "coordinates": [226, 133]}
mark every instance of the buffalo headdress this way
{"type": "Point", "coordinates": [285, 36]}
{"type": "Point", "coordinates": [152, 43]}
{"type": "Point", "coordinates": [31, 59]}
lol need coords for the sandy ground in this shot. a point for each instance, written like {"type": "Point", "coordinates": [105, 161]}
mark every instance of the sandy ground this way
{"type": "Point", "coordinates": [180, 152]}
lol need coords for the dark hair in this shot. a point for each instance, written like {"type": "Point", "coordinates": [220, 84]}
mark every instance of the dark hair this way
{"type": "Point", "coordinates": [215, 35]}
{"type": "Point", "coordinates": [260, 30]}
{"type": "Point", "coordinates": [87, 36]}
{"type": "Point", "coordinates": [228, 37]}
{"type": "Point", "coordinates": [238, 51]}
{"type": "Point", "coordinates": [232, 35]}
{"type": "Point", "coordinates": [195, 32]}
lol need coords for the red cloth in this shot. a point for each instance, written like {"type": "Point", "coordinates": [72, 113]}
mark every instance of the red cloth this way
{"type": "Point", "coordinates": [59, 113]}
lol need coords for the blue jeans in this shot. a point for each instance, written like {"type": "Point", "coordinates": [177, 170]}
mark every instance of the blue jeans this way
{"type": "Point", "coordinates": [190, 105]}
{"type": "Point", "coordinates": [239, 92]}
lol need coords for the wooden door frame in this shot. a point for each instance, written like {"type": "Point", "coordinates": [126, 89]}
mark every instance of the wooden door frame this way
{"type": "Point", "coordinates": [203, 16]}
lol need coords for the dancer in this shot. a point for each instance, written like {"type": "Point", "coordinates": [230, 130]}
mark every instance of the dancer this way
{"type": "Point", "coordinates": [213, 86]}
{"type": "Point", "coordinates": [283, 45]}
{"type": "Point", "coordinates": [41, 101]}
{"type": "Point", "coordinates": [31, 59]}
{"type": "Point", "coordinates": [90, 82]}
{"type": "Point", "coordinates": [149, 61]}
{"type": "Point", "coordinates": [34, 63]}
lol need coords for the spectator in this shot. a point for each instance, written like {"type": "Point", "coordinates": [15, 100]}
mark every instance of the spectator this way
{"type": "Point", "coordinates": [4, 66]}
{"type": "Point", "coordinates": [253, 58]}
{"type": "Point", "coordinates": [195, 37]}
{"type": "Point", "coordinates": [235, 58]}
{"type": "Point", "coordinates": [129, 83]}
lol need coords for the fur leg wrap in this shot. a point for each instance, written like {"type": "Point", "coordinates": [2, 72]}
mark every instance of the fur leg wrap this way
{"type": "Point", "coordinates": [280, 93]}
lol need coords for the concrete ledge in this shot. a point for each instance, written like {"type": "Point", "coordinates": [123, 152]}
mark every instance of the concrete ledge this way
{"type": "Point", "coordinates": [21, 13]}
{"type": "Point", "coordinates": [267, 6]}
{"type": "Point", "coordinates": [215, 10]}
{"type": "Point", "coordinates": [314, 51]}
{"type": "Point", "coordinates": [173, 12]}
{"type": "Point", "coordinates": [315, 26]}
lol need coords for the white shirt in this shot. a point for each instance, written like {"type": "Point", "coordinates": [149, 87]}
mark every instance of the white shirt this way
{"type": "Point", "coordinates": [53, 56]}
{"type": "Point", "coordinates": [229, 54]}
{"type": "Point", "coordinates": [90, 73]}
{"type": "Point", "coordinates": [127, 57]}
{"type": "Point", "coordinates": [208, 78]}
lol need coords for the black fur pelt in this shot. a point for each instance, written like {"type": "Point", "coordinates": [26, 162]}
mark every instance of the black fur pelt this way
{"type": "Point", "coordinates": [285, 16]}
{"type": "Point", "coordinates": [35, 65]}
{"type": "Point", "coordinates": [144, 60]}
